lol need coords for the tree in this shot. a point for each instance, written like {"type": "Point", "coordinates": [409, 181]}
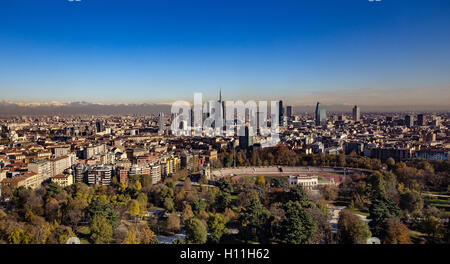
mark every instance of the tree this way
{"type": "Point", "coordinates": [187, 213]}
{"type": "Point", "coordinates": [431, 224]}
{"type": "Point", "coordinates": [147, 180]}
{"type": "Point", "coordinates": [169, 205]}
{"type": "Point", "coordinates": [381, 211]}
{"type": "Point", "coordinates": [199, 206]}
{"type": "Point", "coordinates": [297, 226]}
{"type": "Point", "coordinates": [322, 234]}
{"type": "Point", "coordinates": [18, 236]}
{"type": "Point", "coordinates": [138, 185]}
{"type": "Point", "coordinates": [255, 222]}
{"type": "Point", "coordinates": [101, 230]}
{"type": "Point", "coordinates": [134, 208]}
{"type": "Point", "coordinates": [147, 236]}
{"type": "Point", "coordinates": [102, 207]}
{"type": "Point", "coordinates": [298, 194]}
{"type": "Point", "coordinates": [142, 200]}
{"type": "Point", "coordinates": [223, 201]}
{"type": "Point", "coordinates": [216, 227]}
{"type": "Point", "coordinates": [351, 229]}
{"type": "Point", "coordinates": [390, 162]}
{"type": "Point", "coordinates": [411, 201]}
{"type": "Point", "coordinates": [224, 185]}
{"type": "Point", "coordinates": [329, 192]}
{"type": "Point", "coordinates": [196, 232]}
{"type": "Point", "coordinates": [131, 237]}
{"type": "Point", "coordinates": [397, 233]}
{"type": "Point", "coordinates": [261, 181]}
{"type": "Point", "coordinates": [173, 223]}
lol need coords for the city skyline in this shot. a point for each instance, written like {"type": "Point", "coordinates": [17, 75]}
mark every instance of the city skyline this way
{"type": "Point", "coordinates": [355, 52]}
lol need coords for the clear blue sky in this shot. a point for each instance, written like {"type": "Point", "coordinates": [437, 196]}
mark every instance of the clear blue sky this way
{"type": "Point", "coordinates": [125, 51]}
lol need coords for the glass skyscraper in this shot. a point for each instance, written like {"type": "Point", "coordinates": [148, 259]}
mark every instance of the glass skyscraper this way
{"type": "Point", "coordinates": [321, 115]}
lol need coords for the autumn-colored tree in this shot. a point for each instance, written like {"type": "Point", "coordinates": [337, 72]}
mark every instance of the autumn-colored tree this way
{"type": "Point", "coordinates": [173, 223]}
{"type": "Point", "coordinates": [131, 237]}
{"type": "Point", "coordinates": [396, 233]}
{"type": "Point", "coordinates": [329, 192]}
{"type": "Point", "coordinates": [147, 236]}
{"type": "Point", "coordinates": [261, 181]}
{"type": "Point", "coordinates": [351, 229]}
{"type": "Point", "coordinates": [187, 213]}
{"type": "Point", "coordinates": [134, 208]}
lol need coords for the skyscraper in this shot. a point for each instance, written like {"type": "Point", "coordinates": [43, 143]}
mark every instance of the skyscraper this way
{"type": "Point", "coordinates": [280, 112]}
{"type": "Point", "coordinates": [421, 120]}
{"type": "Point", "coordinates": [356, 114]}
{"type": "Point", "coordinates": [99, 126]}
{"type": "Point", "coordinates": [409, 120]}
{"type": "Point", "coordinates": [161, 124]}
{"type": "Point", "coordinates": [289, 111]}
{"type": "Point", "coordinates": [246, 141]}
{"type": "Point", "coordinates": [321, 115]}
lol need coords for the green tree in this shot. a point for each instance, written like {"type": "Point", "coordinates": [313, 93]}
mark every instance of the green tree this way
{"type": "Point", "coordinates": [411, 201]}
{"type": "Point", "coordinates": [297, 226]}
{"type": "Point", "coordinates": [224, 185]}
{"type": "Point", "coordinates": [255, 222]}
{"type": "Point", "coordinates": [169, 204]}
{"type": "Point", "coordinates": [298, 194]}
{"type": "Point", "coordinates": [199, 206]}
{"type": "Point", "coordinates": [223, 201]}
{"type": "Point", "coordinates": [102, 207]}
{"type": "Point", "coordinates": [101, 230]}
{"type": "Point", "coordinates": [381, 211]}
{"type": "Point", "coordinates": [216, 227]}
{"type": "Point", "coordinates": [196, 232]}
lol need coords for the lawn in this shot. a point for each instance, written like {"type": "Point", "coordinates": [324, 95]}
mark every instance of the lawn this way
{"type": "Point", "coordinates": [363, 212]}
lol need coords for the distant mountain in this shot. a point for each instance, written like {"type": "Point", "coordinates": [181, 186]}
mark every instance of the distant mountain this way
{"type": "Point", "coordinates": [73, 108]}
{"type": "Point", "coordinates": [8, 108]}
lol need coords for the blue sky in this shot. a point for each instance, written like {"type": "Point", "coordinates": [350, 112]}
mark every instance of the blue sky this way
{"type": "Point", "coordinates": [340, 51]}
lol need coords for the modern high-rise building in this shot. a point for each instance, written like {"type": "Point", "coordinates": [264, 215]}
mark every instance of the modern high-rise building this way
{"type": "Point", "coordinates": [356, 114]}
{"type": "Point", "coordinates": [409, 120]}
{"type": "Point", "coordinates": [161, 124]}
{"type": "Point", "coordinates": [246, 141]}
{"type": "Point", "coordinates": [321, 115]}
{"type": "Point", "coordinates": [99, 126]}
{"type": "Point", "coordinates": [280, 112]}
{"type": "Point", "coordinates": [421, 120]}
{"type": "Point", "coordinates": [289, 111]}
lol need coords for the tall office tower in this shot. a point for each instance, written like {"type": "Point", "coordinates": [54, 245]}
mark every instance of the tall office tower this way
{"type": "Point", "coordinates": [409, 120]}
{"type": "Point", "coordinates": [356, 114]}
{"type": "Point", "coordinates": [280, 112]}
{"type": "Point", "coordinates": [222, 105]}
{"type": "Point", "coordinates": [99, 126]}
{"type": "Point", "coordinates": [421, 120]}
{"type": "Point", "coordinates": [321, 115]}
{"type": "Point", "coordinates": [246, 141]}
{"type": "Point", "coordinates": [161, 124]}
{"type": "Point", "coordinates": [289, 111]}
